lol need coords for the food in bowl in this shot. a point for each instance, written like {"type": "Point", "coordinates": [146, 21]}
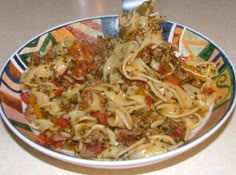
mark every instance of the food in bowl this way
{"type": "Point", "coordinates": [118, 98]}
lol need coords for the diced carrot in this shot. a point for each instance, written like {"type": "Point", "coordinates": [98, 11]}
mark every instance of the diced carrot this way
{"type": "Point", "coordinates": [82, 50]}
{"type": "Point", "coordinates": [101, 117]}
{"type": "Point", "coordinates": [55, 82]}
{"type": "Point", "coordinates": [56, 144]}
{"type": "Point", "coordinates": [48, 60]}
{"type": "Point", "coordinates": [62, 122]}
{"type": "Point", "coordinates": [59, 92]}
{"type": "Point", "coordinates": [174, 80]}
{"type": "Point", "coordinates": [42, 139]}
{"type": "Point", "coordinates": [74, 50]}
{"type": "Point", "coordinates": [149, 100]}
{"type": "Point", "coordinates": [141, 91]}
{"type": "Point", "coordinates": [81, 68]}
{"type": "Point", "coordinates": [161, 70]}
{"type": "Point", "coordinates": [33, 102]}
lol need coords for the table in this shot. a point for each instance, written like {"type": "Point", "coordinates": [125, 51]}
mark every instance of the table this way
{"type": "Point", "coordinates": [20, 20]}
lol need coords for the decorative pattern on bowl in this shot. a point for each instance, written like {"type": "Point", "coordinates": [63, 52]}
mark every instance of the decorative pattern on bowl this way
{"type": "Point", "coordinates": [185, 39]}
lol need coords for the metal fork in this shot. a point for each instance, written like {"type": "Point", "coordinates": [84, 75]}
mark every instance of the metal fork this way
{"type": "Point", "coordinates": [128, 5]}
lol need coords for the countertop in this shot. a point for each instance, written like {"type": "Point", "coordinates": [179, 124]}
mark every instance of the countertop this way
{"type": "Point", "coordinates": [22, 19]}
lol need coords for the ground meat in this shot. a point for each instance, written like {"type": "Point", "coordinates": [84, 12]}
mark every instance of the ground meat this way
{"type": "Point", "coordinates": [74, 99]}
{"type": "Point", "coordinates": [184, 76]}
{"type": "Point", "coordinates": [97, 136]}
{"type": "Point", "coordinates": [104, 45]}
{"type": "Point", "coordinates": [29, 114]}
{"type": "Point", "coordinates": [51, 53]}
{"type": "Point", "coordinates": [127, 137]}
{"type": "Point", "coordinates": [146, 55]}
{"type": "Point", "coordinates": [197, 83]}
{"type": "Point", "coordinates": [175, 129]}
{"type": "Point", "coordinates": [94, 145]}
{"type": "Point", "coordinates": [163, 53]}
{"type": "Point", "coordinates": [87, 154]}
{"type": "Point", "coordinates": [35, 60]}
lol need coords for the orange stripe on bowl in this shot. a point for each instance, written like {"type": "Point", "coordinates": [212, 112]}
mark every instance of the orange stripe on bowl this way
{"type": "Point", "coordinates": [10, 83]}
{"type": "Point", "coordinates": [11, 101]}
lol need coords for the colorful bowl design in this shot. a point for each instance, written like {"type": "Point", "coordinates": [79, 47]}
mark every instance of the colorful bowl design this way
{"type": "Point", "coordinates": [185, 39]}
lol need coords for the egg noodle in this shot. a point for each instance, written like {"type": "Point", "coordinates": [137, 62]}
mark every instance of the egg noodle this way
{"type": "Point", "coordinates": [119, 98]}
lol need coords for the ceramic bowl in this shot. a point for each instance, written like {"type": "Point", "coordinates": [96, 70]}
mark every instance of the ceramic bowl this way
{"type": "Point", "coordinates": [184, 38]}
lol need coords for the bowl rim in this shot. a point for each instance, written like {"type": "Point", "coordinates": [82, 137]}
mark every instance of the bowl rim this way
{"type": "Point", "coordinates": [110, 164]}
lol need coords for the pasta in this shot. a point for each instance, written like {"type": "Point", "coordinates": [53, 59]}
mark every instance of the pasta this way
{"type": "Point", "coordinates": [119, 98]}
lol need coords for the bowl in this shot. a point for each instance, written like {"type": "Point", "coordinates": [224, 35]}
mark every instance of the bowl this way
{"type": "Point", "coordinates": [187, 40]}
